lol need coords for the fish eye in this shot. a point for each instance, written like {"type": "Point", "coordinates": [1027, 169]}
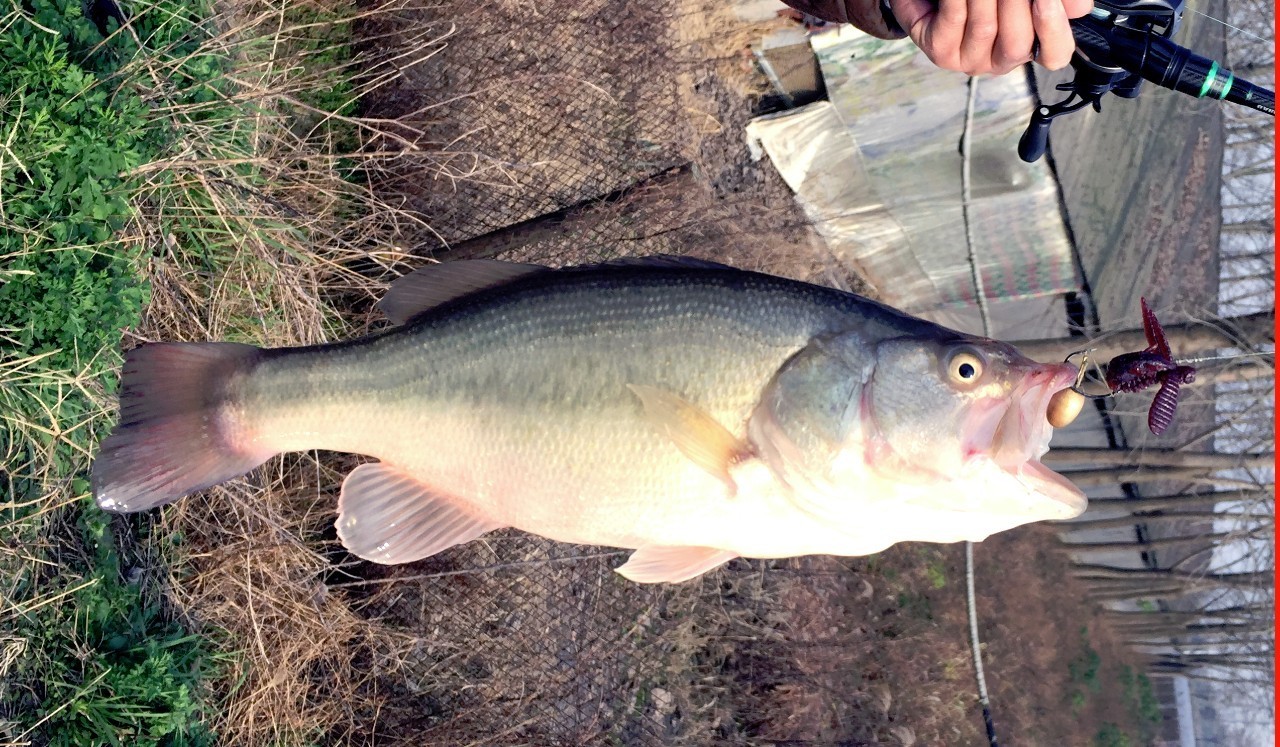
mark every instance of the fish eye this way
{"type": "Point", "coordinates": [965, 367]}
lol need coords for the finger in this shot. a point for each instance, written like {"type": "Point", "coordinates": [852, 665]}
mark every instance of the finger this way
{"type": "Point", "coordinates": [911, 12]}
{"type": "Point", "coordinates": [980, 30]}
{"type": "Point", "coordinates": [1016, 35]}
{"type": "Point", "coordinates": [936, 29]}
{"type": "Point", "coordinates": [1052, 29]}
{"type": "Point", "coordinates": [1077, 8]}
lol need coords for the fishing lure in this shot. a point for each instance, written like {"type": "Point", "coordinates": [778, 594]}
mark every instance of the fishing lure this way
{"type": "Point", "coordinates": [1130, 372]}
{"type": "Point", "coordinates": [1133, 372]}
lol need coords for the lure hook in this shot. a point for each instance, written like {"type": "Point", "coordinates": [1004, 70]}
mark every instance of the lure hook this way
{"type": "Point", "coordinates": [1082, 372]}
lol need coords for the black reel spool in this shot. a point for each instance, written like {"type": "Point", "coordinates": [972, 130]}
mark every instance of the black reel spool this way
{"type": "Point", "coordinates": [1121, 44]}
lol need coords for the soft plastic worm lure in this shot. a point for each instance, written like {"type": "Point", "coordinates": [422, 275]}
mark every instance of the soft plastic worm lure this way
{"type": "Point", "coordinates": [1133, 372]}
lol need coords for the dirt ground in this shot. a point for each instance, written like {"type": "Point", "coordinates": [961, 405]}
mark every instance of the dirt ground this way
{"type": "Point", "coordinates": [875, 650]}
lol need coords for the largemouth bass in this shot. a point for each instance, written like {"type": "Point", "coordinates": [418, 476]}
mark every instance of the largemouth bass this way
{"type": "Point", "coordinates": [688, 410]}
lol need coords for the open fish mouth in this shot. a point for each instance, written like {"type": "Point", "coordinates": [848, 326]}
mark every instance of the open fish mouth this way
{"type": "Point", "coordinates": [1017, 435]}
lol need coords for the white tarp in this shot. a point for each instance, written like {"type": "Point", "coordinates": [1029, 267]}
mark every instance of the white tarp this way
{"type": "Point", "coordinates": [877, 169]}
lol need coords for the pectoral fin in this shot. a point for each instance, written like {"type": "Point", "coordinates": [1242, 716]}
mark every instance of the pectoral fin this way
{"type": "Point", "coordinates": [655, 564]}
{"type": "Point", "coordinates": [388, 517]}
{"type": "Point", "coordinates": [694, 432]}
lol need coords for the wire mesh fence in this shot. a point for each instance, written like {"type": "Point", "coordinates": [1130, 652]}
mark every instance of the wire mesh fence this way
{"type": "Point", "coordinates": [516, 640]}
{"type": "Point", "coordinates": [536, 109]}
{"type": "Point", "coordinates": [569, 132]}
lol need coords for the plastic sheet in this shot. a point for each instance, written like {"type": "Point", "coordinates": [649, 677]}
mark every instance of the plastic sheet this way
{"type": "Point", "coordinates": [877, 169]}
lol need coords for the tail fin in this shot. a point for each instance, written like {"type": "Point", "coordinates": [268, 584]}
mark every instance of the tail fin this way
{"type": "Point", "coordinates": [172, 439]}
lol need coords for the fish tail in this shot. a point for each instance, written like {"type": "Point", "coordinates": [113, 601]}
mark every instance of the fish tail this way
{"type": "Point", "coordinates": [174, 436]}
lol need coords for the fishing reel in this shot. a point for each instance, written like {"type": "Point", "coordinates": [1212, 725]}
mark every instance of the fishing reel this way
{"type": "Point", "coordinates": [1122, 43]}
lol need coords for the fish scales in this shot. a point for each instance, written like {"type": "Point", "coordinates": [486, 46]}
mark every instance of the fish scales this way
{"type": "Point", "coordinates": [536, 381]}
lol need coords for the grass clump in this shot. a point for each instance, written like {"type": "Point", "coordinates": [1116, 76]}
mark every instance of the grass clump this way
{"type": "Point", "coordinates": [113, 668]}
{"type": "Point", "coordinates": [94, 657]}
{"type": "Point", "coordinates": [1140, 700]}
{"type": "Point", "coordinates": [1083, 670]}
{"type": "Point", "coordinates": [1110, 735]}
{"type": "Point", "coordinates": [207, 165]}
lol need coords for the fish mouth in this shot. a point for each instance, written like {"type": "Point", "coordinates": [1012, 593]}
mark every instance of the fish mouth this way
{"type": "Point", "coordinates": [1017, 435]}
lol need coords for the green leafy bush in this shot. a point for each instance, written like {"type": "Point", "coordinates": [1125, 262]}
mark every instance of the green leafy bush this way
{"type": "Point", "coordinates": [71, 139]}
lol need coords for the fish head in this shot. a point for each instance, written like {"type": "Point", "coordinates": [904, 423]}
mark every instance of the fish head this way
{"type": "Point", "coordinates": [967, 419]}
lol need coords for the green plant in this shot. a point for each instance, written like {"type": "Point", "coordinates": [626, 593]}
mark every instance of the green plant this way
{"type": "Point", "coordinates": [77, 128]}
{"type": "Point", "coordinates": [937, 574]}
{"type": "Point", "coordinates": [1140, 699]}
{"type": "Point", "coordinates": [105, 663]}
{"type": "Point", "coordinates": [135, 675]}
{"type": "Point", "coordinates": [916, 605]}
{"type": "Point", "coordinates": [192, 144]}
{"type": "Point", "coordinates": [64, 199]}
{"type": "Point", "coordinates": [1084, 673]}
{"type": "Point", "coordinates": [1110, 735]}
{"type": "Point", "coordinates": [102, 662]}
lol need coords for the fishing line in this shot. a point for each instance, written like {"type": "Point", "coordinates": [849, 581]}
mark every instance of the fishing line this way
{"type": "Point", "coordinates": [1233, 356]}
{"type": "Point", "coordinates": [1233, 28]}
{"type": "Point", "coordinates": [980, 292]}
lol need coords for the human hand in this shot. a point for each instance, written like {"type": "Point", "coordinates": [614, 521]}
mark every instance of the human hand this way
{"type": "Point", "coordinates": [991, 36]}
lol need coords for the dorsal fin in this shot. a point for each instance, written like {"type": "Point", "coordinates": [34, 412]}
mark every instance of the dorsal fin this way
{"type": "Point", "coordinates": [430, 286]}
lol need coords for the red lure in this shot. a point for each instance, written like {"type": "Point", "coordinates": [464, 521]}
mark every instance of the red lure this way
{"type": "Point", "coordinates": [1132, 372]}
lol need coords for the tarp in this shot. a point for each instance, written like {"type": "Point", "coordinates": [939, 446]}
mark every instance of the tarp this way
{"type": "Point", "coordinates": [877, 170]}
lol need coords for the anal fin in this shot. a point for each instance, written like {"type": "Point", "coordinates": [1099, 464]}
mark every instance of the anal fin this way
{"type": "Point", "coordinates": [655, 563]}
{"type": "Point", "coordinates": [389, 517]}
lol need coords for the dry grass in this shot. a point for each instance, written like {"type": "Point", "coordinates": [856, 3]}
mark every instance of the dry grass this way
{"type": "Point", "coordinates": [255, 234]}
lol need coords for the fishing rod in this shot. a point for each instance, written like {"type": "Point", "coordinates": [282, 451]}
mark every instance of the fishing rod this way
{"type": "Point", "coordinates": [1120, 44]}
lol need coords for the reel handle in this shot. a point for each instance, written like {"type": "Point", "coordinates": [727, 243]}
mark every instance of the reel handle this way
{"type": "Point", "coordinates": [1032, 144]}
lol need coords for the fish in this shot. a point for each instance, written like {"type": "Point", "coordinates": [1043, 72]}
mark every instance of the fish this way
{"type": "Point", "coordinates": [683, 409]}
